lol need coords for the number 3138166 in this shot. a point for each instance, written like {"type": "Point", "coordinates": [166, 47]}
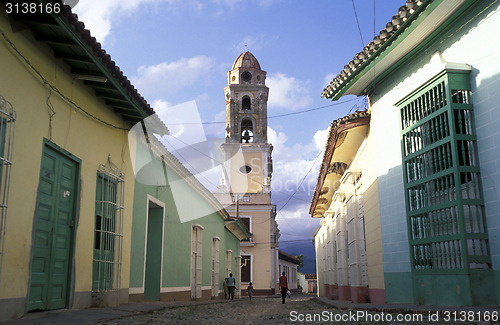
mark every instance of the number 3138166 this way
{"type": "Point", "coordinates": [32, 8]}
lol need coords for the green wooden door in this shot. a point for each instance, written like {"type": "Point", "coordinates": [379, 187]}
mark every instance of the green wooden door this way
{"type": "Point", "coordinates": [152, 280]}
{"type": "Point", "coordinates": [53, 233]}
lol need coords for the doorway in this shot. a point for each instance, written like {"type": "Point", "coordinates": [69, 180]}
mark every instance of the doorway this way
{"type": "Point", "coordinates": [154, 249]}
{"type": "Point", "coordinates": [53, 230]}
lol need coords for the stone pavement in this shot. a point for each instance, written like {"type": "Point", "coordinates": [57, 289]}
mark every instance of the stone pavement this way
{"type": "Point", "coordinates": [260, 310]}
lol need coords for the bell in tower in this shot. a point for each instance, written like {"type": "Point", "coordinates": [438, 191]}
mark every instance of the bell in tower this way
{"type": "Point", "coordinates": [247, 131]}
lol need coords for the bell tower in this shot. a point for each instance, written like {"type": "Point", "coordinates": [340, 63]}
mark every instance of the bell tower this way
{"type": "Point", "coordinates": [247, 152]}
{"type": "Point", "coordinates": [246, 186]}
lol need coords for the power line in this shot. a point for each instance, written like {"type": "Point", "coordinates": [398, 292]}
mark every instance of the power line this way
{"type": "Point", "coordinates": [55, 89]}
{"type": "Point", "coordinates": [303, 179]}
{"type": "Point", "coordinates": [271, 117]}
{"type": "Point", "coordinates": [357, 22]}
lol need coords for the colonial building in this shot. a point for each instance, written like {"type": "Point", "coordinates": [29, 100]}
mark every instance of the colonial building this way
{"type": "Point", "coordinates": [430, 77]}
{"type": "Point", "coordinates": [67, 189]}
{"type": "Point", "coordinates": [246, 188]}
{"type": "Point", "coordinates": [348, 243]}
{"type": "Point", "coordinates": [184, 243]}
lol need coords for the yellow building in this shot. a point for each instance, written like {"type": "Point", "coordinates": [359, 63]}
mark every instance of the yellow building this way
{"type": "Point", "coordinates": [246, 190]}
{"type": "Point", "coordinates": [348, 243]}
{"type": "Point", "coordinates": [67, 183]}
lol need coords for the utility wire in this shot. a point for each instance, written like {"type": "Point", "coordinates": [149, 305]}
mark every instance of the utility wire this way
{"type": "Point", "coordinates": [303, 179]}
{"type": "Point", "coordinates": [55, 89]}
{"type": "Point", "coordinates": [357, 22]}
{"type": "Point", "coordinates": [270, 117]}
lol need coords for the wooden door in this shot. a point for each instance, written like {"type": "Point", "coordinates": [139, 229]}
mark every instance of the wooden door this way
{"type": "Point", "coordinates": [53, 232]}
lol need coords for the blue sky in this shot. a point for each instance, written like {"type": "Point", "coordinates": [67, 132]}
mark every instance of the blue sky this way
{"type": "Point", "coordinates": [178, 51]}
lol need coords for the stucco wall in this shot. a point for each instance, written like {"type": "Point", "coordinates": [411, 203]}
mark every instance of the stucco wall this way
{"type": "Point", "coordinates": [83, 137]}
{"type": "Point", "coordinates": [176, 252]}
{"type": "Point", "coordinates": [469, 41]}
{"type": "Point", "coordinates": [262, 259]}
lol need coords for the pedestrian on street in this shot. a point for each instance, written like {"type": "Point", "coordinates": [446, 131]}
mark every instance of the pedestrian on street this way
{"type": "Point", "coordinates": [250, 290]}
{"type": "Point", "coordinates": [283, 286]}
{"type": "Point", "coordinates": [231, 285]}
{"type": "Point", "coordinates": [226, 290]}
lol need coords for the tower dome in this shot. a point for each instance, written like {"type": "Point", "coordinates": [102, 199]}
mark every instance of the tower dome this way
{"type": "Point", "coordinates": [246, 60]}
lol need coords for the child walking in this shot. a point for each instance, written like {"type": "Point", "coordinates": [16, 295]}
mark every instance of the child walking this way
{"type": "Point", "coordinates": [250, 290]}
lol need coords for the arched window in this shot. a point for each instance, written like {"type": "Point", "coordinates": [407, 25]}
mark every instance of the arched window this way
{"type": "Point", "coordinates": [246, 131]}
{"type": "Point", "coordinates": [246, 103]}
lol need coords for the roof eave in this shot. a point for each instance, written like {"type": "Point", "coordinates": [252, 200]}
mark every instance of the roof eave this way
{"type": "Point", "coordinates": [338, 126]}
{"type": "Point", "coordinates": [114, 87]}
{"type": "Point", "coordinates": [398, 48]}
{"type": "Point", "coordinates": [144, 110]}
{"type": "Point", "coordinates": [237, 229]}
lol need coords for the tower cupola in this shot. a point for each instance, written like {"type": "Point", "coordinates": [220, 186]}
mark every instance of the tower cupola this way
{"type": "Point", "coordinates": [246, 101]}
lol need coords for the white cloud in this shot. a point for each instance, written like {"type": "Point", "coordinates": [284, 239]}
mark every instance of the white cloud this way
{"type": "Point", "coordinates": [167, 78]}
{"type": "Point", "coordinates": [99, 14]}
{"type": "Point", "coordinates": [161, 104]}
{"type": "Point", "coordinates": [295, 167]}
{"type": "Point", "coordinates": [320, 138]}
{"type": "Point", "coordinates": [287, 92]}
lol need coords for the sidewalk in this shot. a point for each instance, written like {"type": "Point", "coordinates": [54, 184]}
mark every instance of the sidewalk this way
{"type": "Point", "coordinates": [453, 311]}
{"type": "Point", "coordinates": [98, 315]}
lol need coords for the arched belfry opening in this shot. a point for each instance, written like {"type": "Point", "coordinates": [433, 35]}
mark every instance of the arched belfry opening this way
{"type": "Point", "coordinates": [246, 131]}
{"type": "Point", "coordinates": [246, 103]}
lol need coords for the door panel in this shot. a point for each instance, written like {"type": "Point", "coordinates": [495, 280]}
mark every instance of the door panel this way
{"type": "Point", "coordinates": [54, 218]}
{"type": "Point", "coordinates": [154, 249]}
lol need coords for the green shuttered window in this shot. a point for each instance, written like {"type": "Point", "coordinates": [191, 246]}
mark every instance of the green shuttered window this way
{"type": "Point", "coordinates": [444, 203]}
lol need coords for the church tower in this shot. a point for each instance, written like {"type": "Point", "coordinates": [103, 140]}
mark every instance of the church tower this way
{"type": "Point", "coordinates": [246, 127]}
{"type": "Point", "coordinates": [248, 170]}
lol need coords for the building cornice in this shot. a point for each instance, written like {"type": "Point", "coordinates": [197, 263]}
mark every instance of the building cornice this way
{"type": "Point", "coordinates": [338, 127]}
{"type": "Point", "coordinates": [416, 24]}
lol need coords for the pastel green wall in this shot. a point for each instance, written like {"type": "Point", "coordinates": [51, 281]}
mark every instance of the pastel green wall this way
{"type": "Point", "coordinates": [398, 287]}
{"type": "Point", "coordinates": [177, 234]}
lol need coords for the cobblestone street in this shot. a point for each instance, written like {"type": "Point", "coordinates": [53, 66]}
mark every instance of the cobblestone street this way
{"type": "Point", "coordinates": [297, 310]}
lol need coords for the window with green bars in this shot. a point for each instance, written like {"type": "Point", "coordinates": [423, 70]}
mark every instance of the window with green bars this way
{"type": "Point", "coordinates": [108, 236]}
{"type": "Point", "coordinates": [7, 121]}
{"type": "Point", "coordinates": [444, 205]}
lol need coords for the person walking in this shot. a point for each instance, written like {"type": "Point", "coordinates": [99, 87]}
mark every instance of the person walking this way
{"type": "Point", "coordinates": [283, 286]}
{"type": "Point", "coordinates": [250, 290]}
{"type": "Point", "coordinates": [226, 290]}
{"type": "Point", "coordinates": [231, 285]}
